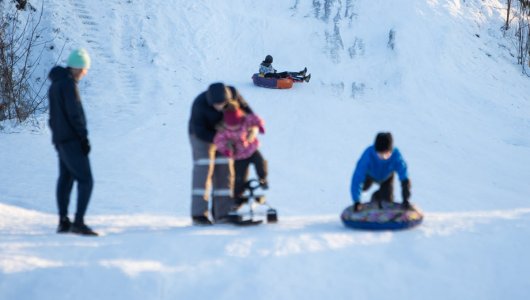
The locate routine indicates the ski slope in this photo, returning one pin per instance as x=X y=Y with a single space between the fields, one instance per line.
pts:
x=448 y=90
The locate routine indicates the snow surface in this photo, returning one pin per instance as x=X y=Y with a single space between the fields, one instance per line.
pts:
x=449 y=91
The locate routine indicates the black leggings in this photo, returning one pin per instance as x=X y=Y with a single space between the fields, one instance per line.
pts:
x=283 y=75
x=241 y=170
x=385 y=191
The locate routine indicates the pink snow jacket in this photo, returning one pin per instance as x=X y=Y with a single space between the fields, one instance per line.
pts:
x=234 y=144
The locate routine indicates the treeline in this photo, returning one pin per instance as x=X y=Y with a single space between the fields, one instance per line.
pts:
x=518 y=23
x=21 y=47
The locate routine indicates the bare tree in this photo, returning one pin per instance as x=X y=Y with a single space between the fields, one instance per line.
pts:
x=523 y=34
x=507 y=26
x=21 y=48
x=520 y=11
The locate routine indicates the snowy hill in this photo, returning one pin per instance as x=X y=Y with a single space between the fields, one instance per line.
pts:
x=445 y=85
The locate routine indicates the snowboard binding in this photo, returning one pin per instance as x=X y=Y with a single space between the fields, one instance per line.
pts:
x=249 y=207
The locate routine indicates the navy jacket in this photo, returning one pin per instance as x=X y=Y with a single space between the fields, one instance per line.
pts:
x=204 y=117
x=370 y=164
x=67 y=118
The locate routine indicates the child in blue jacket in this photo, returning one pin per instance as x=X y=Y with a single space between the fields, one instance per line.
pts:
x=378 y=164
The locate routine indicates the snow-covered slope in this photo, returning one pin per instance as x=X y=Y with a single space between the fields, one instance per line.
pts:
x=447 y=89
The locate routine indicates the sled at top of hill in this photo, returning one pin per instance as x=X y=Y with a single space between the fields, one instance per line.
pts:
x=276 y=83
x=381 y=216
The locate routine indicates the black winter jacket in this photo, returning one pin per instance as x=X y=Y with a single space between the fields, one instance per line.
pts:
x=204 y=117
x=67 y=118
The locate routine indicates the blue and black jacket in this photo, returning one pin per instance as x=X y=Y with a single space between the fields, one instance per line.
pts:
x=371 y=165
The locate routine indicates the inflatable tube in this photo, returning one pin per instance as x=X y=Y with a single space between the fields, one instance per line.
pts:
x=390 y=217
x=272 y=83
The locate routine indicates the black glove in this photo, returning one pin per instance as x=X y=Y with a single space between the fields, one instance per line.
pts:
x=85 y=146
x=405 y=190
x=406 y=205
x=357 y=207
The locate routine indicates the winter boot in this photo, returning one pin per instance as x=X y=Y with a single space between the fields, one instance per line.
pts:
x=64 y=225
x=82 y=229
x=201 y=221
x=264 y=184
x=234 y=216
x=303 y=72
x=307 y=78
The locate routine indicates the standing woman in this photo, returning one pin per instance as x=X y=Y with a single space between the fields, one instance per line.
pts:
x=70 y=138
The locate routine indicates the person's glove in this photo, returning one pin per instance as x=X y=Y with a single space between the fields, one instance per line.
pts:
x=85 y=146
x=405 y=190
x=406 y=205
x=405 y=193
x=245 y=143
x=357 y=207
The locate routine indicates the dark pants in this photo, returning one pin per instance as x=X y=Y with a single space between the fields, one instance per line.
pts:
x=212 y=177
x=73 y=166
x=386 y=189
x=295 y=75
x=242 y=167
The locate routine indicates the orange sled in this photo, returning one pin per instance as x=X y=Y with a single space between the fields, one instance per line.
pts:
x=272 y=83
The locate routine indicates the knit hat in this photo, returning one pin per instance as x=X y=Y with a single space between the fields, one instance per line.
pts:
x=383 y=142
x=268 y=59
x=233 y=115
x=218 y=93
x=79 y=59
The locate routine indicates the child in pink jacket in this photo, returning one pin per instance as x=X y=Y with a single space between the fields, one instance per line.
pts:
x=236 y=138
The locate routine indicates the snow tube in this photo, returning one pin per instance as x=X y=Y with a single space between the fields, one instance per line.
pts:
x=272 y=83
x=390 y=217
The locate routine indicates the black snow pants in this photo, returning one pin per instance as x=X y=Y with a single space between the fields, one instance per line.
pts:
x=385 y=191
x=242 y=168
x=295 y=75
x=73 y=166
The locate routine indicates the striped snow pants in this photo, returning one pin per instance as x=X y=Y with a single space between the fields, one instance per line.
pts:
x=213 y=175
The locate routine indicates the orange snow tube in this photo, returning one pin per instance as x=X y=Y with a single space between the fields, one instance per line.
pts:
x=272 y=83
x=284 y=83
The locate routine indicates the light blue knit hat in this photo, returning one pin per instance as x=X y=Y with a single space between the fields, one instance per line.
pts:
x=79 y=59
